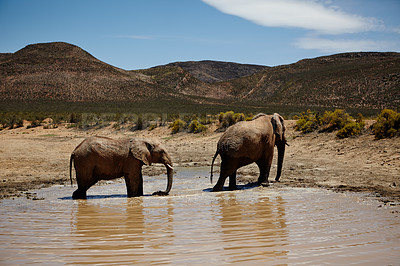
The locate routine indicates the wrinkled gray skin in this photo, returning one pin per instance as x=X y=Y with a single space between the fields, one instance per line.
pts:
x=247 y=142
x=101 y=158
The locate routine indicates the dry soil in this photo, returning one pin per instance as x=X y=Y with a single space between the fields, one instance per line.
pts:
x=38 y=157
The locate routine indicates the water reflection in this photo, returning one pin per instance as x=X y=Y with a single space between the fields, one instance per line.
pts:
x=252 y=229
x=120 y=234
x=194 y=226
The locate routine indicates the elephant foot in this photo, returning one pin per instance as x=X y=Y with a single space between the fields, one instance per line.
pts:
x=264 y=184
x=216 y=189
x=78 y=194
x=233 y=188
x=160 y=193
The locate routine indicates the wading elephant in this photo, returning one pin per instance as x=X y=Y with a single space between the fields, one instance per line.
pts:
x=247 y=142
x=101 y=158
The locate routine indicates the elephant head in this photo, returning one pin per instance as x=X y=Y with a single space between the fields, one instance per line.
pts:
x=153 y=152
x=280 y=140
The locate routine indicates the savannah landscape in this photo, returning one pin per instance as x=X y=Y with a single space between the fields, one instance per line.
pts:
x=37 y=157
x=279 y=125
x=64 y=82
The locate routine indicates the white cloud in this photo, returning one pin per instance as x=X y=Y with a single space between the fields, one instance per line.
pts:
x=313 y=15
x=343 y=45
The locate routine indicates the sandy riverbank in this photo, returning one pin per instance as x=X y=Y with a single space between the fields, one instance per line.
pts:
x=33 y=158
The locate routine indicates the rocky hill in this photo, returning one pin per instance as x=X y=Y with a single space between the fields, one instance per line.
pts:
x=216 y=71
x=61 y=71
x=358 y=80
x=65 y=72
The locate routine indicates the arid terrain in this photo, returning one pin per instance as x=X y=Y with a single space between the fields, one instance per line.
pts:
x=64 y=72
x=37 y=157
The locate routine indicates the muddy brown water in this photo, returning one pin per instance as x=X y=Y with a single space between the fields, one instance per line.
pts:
x=192 y=226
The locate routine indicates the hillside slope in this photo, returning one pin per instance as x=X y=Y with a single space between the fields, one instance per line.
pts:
x=360 y=80
x=216 y=71
x=64 y=72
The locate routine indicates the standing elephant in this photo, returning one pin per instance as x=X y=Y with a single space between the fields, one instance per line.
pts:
x=247 y=142
x=101 y=158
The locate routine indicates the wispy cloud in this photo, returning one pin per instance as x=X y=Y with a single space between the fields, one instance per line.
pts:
x=325 y=22
x=313 y=15
x=343 y=45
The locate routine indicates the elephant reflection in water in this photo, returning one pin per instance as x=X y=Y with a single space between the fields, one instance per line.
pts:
x=120 y=233
x=263 y=225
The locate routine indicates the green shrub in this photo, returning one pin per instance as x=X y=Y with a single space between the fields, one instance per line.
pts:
x=350 y=129
x=177 y=125
x=387 y=124
x=196 y=127
x=335 y=120
x=309 y=121
x=230 y=118
x=249 y=117
x=226 y=119
x=238 y=117
x=206 y=120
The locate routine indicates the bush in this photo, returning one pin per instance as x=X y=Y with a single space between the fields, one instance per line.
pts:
x=350 y=129
x=230 y=118
x=238 y=117
x=196 y=127
x=177 y=125
x=226 y=119
x=387 y=124
x=308 y=122
x=337 y=120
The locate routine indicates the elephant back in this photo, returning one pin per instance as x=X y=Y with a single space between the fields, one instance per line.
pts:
x=244 y=139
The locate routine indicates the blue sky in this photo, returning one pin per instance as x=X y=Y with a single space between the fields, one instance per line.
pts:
x=135 y=34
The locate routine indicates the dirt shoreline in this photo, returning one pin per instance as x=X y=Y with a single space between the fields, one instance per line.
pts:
x=37 y=157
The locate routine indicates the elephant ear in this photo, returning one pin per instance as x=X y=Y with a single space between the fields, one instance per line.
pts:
x=141 y=150
x=278 y=125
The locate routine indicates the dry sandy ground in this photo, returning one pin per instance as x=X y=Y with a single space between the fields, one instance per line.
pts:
x=34 y=158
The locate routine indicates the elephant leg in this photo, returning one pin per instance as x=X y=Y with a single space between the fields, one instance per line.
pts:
x=228 y=168
x=132 y=185
x=85 y=180
x=80 y=193
x=265 y=166
x=232 y=181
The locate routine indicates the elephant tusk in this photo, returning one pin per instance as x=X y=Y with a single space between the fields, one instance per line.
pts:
x=169 y=166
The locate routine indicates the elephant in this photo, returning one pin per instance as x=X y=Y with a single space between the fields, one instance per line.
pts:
x=250 y=141
x=102 y=158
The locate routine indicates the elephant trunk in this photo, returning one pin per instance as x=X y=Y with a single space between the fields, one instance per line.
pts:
x=170 y=173
x=281 y=154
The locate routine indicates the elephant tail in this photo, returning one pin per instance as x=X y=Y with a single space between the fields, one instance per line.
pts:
x=212 y=165
x=70 y=167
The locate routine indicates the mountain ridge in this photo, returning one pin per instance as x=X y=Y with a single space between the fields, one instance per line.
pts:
x=65 y=72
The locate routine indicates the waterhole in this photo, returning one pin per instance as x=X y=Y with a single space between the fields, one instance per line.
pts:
x=192 y=226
